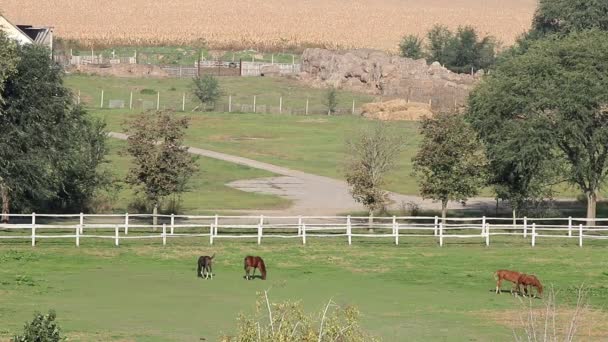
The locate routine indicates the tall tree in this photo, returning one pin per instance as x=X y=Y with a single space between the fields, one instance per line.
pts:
x=450 y=162
x=41 y=136
x=162 y=164
x=372 y=154
x=206 y=89
x=8 y=60
x=558 y=86
x=439 y=38
x=567 y=16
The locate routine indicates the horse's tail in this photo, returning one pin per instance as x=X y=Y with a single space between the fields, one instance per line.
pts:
x=213 y=256
x=245 y=262
x=262 y=267
x=200 y=267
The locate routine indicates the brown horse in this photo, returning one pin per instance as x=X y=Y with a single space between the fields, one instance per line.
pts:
x=253 y=262
x=529 y=281
x=511 y=276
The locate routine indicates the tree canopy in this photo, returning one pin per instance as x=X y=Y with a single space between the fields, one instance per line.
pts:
x=550 y=103
x=49 y=148
x=567 y=16
x=450 y=162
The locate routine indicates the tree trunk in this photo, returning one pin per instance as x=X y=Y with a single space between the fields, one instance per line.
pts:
x=591 y=207
x=154 y=217
x=444 y=210
x=5 y=203
x=371 y=221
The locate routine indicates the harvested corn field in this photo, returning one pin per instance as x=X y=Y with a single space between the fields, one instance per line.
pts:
x=267 y=24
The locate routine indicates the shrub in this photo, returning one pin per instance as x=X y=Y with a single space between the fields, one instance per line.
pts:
x=331 y=100
x=206 y=89
x=411 y=47
x=147 y=91
x=42 y=328
x=286 y=322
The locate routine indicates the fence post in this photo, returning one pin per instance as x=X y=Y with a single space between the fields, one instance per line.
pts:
x=78 y=97
x=569 y=226
x=304 y=234
x=101 y=102
x=254 y=98
x=158 y=100
x=211 y=229
x=33 y=229
x=436 y=225
x=172 y=224
x=525 y=227
x=78 y=236
x=180 y=71
x=487 y=234
x=281 y=105
x=580 y=235
x=183 y=102
x=353 y=111
x=164 y=234
x=395 y=233
x=349 y=230
x=126 y=223
x=116 y=235
x=533 y=234
x=441 y=234
x=260 y=229
x=81 y=228
x=299 y=225
x=131 y=101
x=306 y=106
x=229 y=103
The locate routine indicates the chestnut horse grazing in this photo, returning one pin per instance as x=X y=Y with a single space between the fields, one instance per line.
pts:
x=253 y=262
x=528 y=281
x=511 y=276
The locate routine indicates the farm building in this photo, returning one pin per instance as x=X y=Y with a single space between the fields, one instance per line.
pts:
x=27 y=34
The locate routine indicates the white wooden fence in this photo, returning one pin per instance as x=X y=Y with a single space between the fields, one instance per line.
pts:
x=127 y=226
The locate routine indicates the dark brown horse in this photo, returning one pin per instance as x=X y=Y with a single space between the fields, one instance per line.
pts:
x=529 y=281
x=253 y=262
x=507 y=275
x=205 y=266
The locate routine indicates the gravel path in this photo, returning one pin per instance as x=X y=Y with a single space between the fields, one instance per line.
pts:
x=311 y=194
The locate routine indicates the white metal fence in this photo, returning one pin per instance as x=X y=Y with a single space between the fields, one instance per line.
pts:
x=36 y=227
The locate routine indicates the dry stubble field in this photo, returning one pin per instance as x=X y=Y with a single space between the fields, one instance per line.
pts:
x=267 y=24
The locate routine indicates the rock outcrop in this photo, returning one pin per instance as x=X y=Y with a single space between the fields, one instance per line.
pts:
x=376 y=72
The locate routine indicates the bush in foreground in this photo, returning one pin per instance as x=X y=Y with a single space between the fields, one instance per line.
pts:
x=287 y=322
x=42 y=328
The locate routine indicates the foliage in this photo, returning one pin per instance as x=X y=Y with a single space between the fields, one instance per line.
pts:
x=373 y=153
x=331 y=100
x=161 y=164
x=566 y=16
x=450 y=163
x=411 y=47
x=50 y=149
x=206 y=89
x=42 y=328
x=8 y=61
x=460 y=51
x=555 y=91
x=287 y=322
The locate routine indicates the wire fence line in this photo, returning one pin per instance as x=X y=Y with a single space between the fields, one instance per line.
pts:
x=185 y=102
x=119 y=227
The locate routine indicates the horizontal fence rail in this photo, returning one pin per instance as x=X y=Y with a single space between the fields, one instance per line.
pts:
x=121 y=227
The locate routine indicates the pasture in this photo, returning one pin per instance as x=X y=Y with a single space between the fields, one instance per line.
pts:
x=145 y=292
x=268 y=25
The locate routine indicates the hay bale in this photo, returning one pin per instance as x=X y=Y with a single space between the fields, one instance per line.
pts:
x=396 y=110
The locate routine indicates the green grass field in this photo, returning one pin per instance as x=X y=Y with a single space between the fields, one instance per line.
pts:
x=416 y=291
x=242 y=89
x=206 y=191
